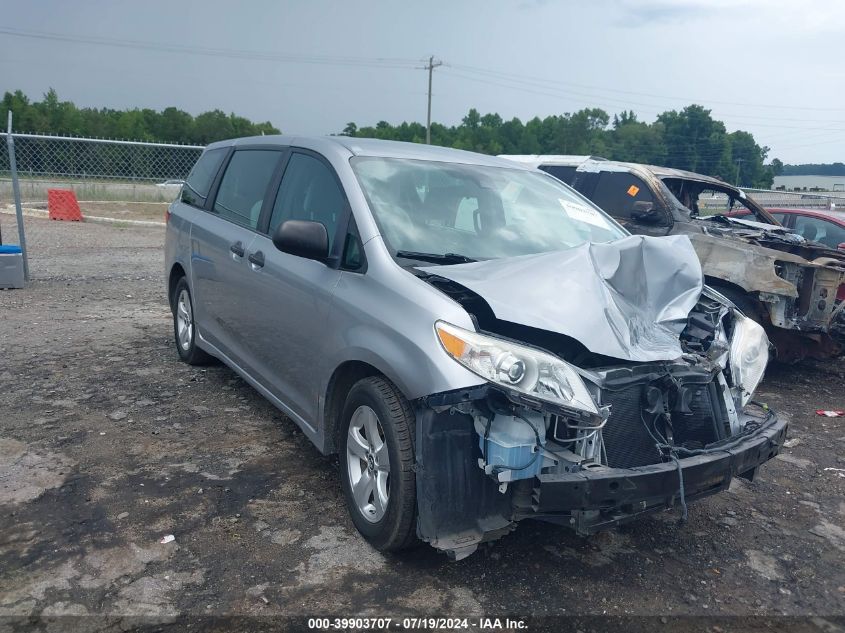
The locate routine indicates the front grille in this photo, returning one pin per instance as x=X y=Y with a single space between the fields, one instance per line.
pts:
x=626 y=440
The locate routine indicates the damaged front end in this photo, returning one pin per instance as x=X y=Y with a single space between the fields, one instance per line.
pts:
x=563 y=433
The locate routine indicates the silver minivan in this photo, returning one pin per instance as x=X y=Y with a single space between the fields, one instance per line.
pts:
x=476 y=341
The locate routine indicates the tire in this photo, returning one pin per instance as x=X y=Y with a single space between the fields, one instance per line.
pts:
x=375 y=403
x=184 y=329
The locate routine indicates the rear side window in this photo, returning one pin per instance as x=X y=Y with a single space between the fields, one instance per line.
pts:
x=309 y=191
x=618 y=192
x=202 y=175
x=244 y=186
x=819 y=230
x=561 y=172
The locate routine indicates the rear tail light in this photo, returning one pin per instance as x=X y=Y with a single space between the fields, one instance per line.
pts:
x=167 y=221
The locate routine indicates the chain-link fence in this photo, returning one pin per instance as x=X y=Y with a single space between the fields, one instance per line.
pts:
x=121 y=180
x=98 y=170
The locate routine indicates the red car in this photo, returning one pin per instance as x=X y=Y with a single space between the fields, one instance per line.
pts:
x=816 y=225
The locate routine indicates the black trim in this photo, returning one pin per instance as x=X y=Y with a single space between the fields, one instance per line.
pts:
x=352 y=230
x=272 y=193
x=215 y=184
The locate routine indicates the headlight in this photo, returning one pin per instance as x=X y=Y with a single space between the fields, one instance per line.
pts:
x=516 y=367
x=749 y=356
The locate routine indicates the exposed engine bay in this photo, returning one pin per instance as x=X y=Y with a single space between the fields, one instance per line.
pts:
x=556 y=416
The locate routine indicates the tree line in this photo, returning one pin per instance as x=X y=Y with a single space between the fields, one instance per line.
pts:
x=171 y=125
x=815 y=169
x=686 y=139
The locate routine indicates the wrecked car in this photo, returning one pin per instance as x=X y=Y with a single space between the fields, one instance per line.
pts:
x=792 y=286
x=478 y=343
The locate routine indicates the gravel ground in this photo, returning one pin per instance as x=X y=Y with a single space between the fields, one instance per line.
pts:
x=108 y=443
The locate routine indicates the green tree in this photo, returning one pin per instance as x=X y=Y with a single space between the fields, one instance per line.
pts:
x=695 y=141
x=53 y=116
x=748 y=156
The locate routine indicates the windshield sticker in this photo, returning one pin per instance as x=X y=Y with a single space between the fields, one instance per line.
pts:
x=633 y=190
x=583 y=213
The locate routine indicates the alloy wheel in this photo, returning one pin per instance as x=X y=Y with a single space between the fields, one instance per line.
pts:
x=368 y=463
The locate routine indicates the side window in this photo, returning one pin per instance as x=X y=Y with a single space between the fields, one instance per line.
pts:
x=563 y=173
x=308 y=191
x=244 y=185
x=196 y=187
x=818 y=230
x=619 y=194
x=780 y=217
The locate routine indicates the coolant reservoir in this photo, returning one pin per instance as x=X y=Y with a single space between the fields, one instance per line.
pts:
x=511 y=450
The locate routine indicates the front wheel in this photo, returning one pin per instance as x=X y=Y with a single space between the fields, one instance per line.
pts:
x=377 y=464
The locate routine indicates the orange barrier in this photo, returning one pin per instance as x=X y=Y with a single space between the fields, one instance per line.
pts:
x=62 y=205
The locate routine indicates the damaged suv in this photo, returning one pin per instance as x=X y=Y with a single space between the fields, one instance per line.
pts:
x=477 y=342
x=793 y=287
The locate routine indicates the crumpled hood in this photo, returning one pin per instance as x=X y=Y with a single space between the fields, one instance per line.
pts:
x=628 y=299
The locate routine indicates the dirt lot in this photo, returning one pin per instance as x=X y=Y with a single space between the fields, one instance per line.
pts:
x=108 y=443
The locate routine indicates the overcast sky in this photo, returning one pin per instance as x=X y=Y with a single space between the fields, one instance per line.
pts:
x=773 y=67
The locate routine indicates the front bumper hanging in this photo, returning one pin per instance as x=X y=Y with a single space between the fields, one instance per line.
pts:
x=459 y=506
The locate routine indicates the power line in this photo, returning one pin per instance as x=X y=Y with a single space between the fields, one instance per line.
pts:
x=738 y=162
x=603 y=101
x=547 y=81
x=545 y=85
x=372 y=62
x=535 y=85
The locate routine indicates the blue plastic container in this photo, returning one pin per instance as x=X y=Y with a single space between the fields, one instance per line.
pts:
x=11 y=266
x=511 y=445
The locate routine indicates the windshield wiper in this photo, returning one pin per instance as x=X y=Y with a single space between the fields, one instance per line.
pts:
x=437 y=258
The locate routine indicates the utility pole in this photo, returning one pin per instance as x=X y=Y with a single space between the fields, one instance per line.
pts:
x=430 y=68
x=738 y=162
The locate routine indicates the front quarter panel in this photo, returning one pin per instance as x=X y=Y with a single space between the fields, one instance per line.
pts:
x=386 y=318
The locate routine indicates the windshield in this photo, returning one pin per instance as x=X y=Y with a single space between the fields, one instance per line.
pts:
x=476 y=212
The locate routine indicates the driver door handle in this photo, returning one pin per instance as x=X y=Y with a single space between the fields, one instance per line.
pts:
x=237 y=248
x=256 y=259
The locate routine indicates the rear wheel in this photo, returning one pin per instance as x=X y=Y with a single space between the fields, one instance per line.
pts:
x=184 y=328
x=376 y=464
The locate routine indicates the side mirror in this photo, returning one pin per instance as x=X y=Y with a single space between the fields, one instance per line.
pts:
x=303 y=238
x=645 y=213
